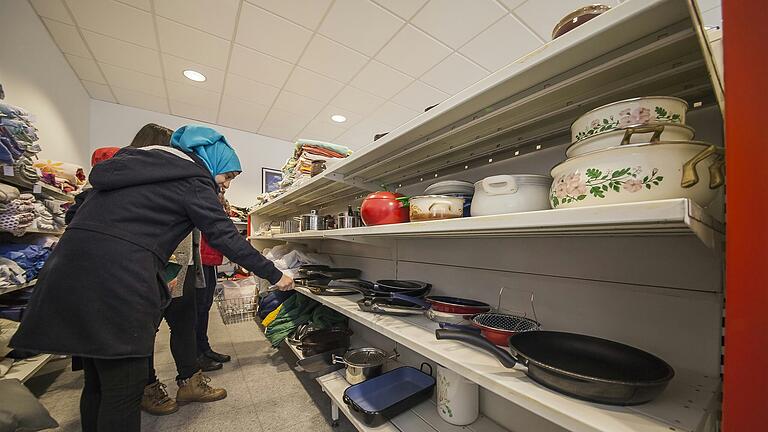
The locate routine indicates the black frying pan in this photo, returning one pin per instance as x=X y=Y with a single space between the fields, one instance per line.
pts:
x=324 y=276
x=585 y=367
x=385 y=289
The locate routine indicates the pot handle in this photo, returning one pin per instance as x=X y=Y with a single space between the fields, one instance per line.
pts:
x=335 y=359
x=460 y=327
x=690 y=176
x=444 y=204
x=499 y=185
x=410 y=299
x=717 y=174
x=504 y=357
x=657 y=131
x=421 y=368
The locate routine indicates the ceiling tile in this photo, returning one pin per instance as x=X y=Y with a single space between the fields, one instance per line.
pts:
x=456 y=22
x=297 y=104
x=314 y=85
x=357 y=137
x=360 y=24
x=140 y=100
x=357 y=101
x=454 y=74
x=259 y=67
x=320 y=130
x=713 y=17
x=85 y=68
x=413 y=52
x=53 y=9
x=404 y=8
x=543 y=19
x=194 y=112
x=704 y=5
x=250 y=90
x=330 y=110
x=241 y=114
x=174 y=71
x=213 y=17
x=491 y=48
x=67 y=38
x=115 y=19
x=381 y=80
x=305 y=12
x=123 y=54
x=270 y=34
x=393 y=115
x=132 y=80
x=512 y=4
x=99 y=91
x=332 y=59
x=141 y=4
x=282 y=124
x=192 y=44
x=192 y=95
x=418 y=96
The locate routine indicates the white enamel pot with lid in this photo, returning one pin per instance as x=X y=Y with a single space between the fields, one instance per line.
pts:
x=435 y=207
x=502 y=194
x=635 y=134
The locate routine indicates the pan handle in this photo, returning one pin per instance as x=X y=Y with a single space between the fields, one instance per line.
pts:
x=417 y=301
x=335 y=359
x=460 y=327
x=504 y=357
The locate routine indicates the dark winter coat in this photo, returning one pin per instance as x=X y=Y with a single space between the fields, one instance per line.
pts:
x=100 y=293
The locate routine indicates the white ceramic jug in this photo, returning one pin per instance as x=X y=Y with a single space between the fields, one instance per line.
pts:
x=458 y=399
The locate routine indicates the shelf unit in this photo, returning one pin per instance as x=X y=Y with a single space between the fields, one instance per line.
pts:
x=6 y=290
x=686 y=405
x=45 y=189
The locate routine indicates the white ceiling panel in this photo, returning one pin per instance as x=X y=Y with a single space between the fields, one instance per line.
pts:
x=403 y=8
x=381 y=80
x=282 y=124
x=217 y=17
x=250 y=90
x=141 y=4
x=99 y=91
x=713 y=17
x=418 y=96
x=357 y=101
x=305 y=12
x=360 y=24
x=124 y=54
x=115 y=19
x=356 y=137
x=454 y=74
x=512 y=4
x=311 y=84
x=67 y=38
x=189 y=43
x=332 y=59
x=241 y=114
x=320 y=130
x=393 y=115
x=457 y=21
x=302 y=106
x=543 y=19
x=258 y=66
x=141 y=100
x=192 y=95
x=704 y=5
x=271 y=34
x=53 y=9
x=413 y=52
x=194 y=112
x=85 y=68
x=174 y=68
x=132 y=80
x=491 y=48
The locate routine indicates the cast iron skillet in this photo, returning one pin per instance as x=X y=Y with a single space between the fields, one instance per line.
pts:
x=585 y=367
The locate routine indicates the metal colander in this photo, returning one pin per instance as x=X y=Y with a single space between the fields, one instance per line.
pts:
x=365 y=357
x=505 y=322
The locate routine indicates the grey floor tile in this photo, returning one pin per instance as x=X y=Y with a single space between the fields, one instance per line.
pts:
x=277 y=413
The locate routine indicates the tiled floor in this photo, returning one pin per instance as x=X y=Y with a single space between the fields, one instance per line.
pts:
x=264 y=395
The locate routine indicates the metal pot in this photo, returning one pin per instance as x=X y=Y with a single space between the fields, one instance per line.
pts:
x=363 y=363
x=312 y=222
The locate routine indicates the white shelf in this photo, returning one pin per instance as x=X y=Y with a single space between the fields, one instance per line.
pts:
x=684 y=406
x=6 y=290
x=40 y=231
x=22 y=370
x=675 y=216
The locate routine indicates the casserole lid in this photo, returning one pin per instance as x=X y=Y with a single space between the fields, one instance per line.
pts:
x=450 y=187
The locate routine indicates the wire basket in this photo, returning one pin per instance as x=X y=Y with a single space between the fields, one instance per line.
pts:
x=241 y=308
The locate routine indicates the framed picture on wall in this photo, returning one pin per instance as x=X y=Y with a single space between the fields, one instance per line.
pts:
x=270 y=178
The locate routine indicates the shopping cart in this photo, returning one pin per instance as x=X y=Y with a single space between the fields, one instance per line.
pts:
x=237 y=300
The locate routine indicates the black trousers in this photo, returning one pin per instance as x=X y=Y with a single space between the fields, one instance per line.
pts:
x=111 y=398
x=204 y=303
x=180 y=316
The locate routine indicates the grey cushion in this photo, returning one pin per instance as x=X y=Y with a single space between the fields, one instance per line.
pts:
x=20 y=411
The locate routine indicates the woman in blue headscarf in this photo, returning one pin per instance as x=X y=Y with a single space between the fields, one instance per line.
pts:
x=101 y=293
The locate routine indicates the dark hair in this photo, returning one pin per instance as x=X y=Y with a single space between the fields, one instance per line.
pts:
x=152 y=134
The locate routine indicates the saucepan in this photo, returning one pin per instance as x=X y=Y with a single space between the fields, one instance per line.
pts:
x=363 y=363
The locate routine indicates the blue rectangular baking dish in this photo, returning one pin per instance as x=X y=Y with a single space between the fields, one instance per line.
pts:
x=387 y=395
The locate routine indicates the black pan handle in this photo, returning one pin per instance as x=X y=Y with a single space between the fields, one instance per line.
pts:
x=410 y=299
x=421 y=368
x=460 y=327
x=504 y=357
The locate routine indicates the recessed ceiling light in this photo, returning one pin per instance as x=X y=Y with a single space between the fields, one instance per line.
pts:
x=338 y=118
x=194 y=75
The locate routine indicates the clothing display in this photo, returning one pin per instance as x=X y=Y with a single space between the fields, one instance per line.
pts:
x=66 y=176
x=29 y=257
x=297 y=310
x=17 y=135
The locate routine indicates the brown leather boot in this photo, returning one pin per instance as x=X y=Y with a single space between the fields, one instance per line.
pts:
x=196 y=389
x=156 y=400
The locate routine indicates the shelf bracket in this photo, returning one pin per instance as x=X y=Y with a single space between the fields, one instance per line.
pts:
x=354 y=181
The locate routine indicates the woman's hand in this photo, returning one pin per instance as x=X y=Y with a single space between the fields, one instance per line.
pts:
x=285 y=283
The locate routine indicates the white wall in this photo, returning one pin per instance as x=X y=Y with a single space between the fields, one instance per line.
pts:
x=36 y=76
x=116 y=125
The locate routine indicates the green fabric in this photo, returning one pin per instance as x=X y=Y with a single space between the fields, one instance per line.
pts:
x=170 y=272
x=297 y=310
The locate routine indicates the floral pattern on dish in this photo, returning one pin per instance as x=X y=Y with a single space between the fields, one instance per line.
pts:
x=571 y=187
x=629 y=117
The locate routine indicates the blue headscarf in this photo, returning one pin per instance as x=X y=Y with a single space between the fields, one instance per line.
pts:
x=209 y=145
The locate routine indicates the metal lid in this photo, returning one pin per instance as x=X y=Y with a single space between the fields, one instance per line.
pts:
x=365 y=357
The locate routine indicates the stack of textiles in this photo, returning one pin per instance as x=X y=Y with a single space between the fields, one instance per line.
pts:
x=17 y=136
x=63 y=175
x=17 y=211
x=30 y=257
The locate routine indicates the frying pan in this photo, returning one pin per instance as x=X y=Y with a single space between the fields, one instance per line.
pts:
x=383 y=289
x=386 y=307
x=585 y=367
x=325 y=276
x=452 y=305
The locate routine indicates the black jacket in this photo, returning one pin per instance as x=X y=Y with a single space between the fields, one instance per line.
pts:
x=100 y=294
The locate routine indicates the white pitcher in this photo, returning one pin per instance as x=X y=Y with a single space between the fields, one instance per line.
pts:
x=458 y=399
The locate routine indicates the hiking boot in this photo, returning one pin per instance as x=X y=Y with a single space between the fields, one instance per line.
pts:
x=156 y=401
x=196 y=389
x=208 y=365
x=220 y=358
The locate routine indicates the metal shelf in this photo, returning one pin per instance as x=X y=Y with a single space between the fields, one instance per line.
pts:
x=45 y=189
x=687 y=404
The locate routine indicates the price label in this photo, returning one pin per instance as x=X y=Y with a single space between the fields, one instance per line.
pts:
x=37 y=189
x=8 y=170
x=39 y=173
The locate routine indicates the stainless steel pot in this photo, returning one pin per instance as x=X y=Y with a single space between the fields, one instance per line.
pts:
x=312 y=222
x=363 y=363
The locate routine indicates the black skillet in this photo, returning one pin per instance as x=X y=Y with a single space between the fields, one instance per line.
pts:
x=386 y=289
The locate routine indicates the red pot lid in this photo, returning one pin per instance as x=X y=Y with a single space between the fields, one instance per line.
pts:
x=384 y=195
